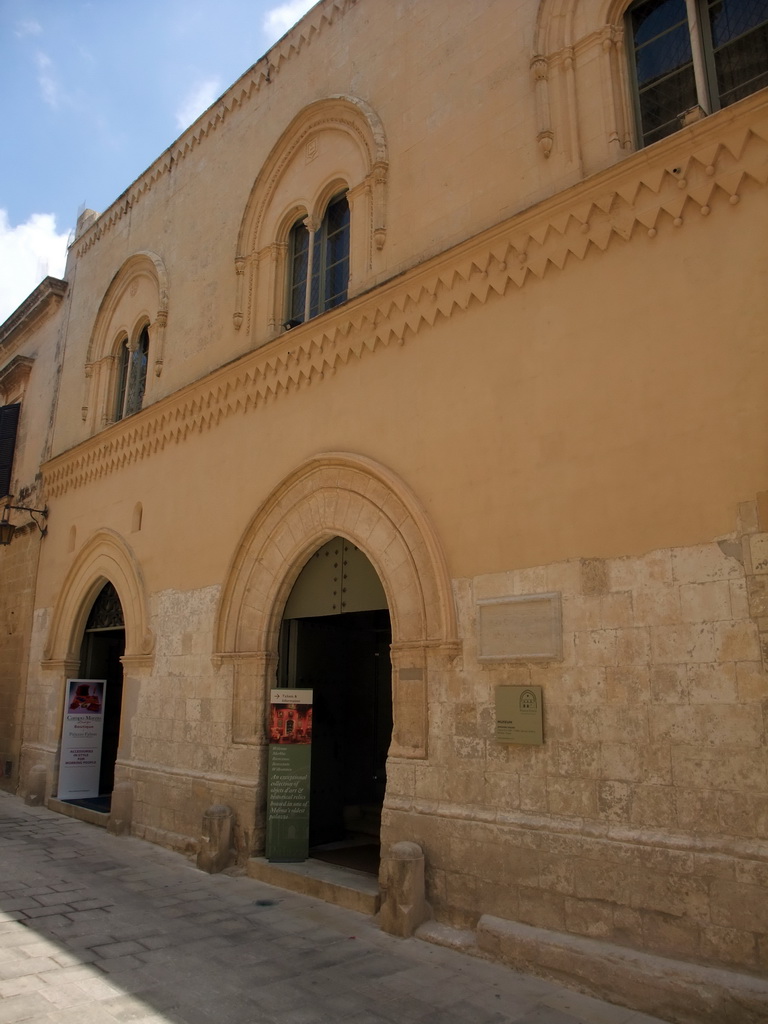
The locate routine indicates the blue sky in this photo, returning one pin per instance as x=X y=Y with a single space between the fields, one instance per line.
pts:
x=91 y=92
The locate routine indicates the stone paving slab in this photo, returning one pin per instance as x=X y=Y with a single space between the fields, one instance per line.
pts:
x=99 y=929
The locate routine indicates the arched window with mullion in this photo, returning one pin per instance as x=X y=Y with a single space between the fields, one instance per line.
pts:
x=131 y=375
x=322 y=259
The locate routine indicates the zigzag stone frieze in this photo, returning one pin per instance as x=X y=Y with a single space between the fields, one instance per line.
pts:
x=641 y=197
x=262 y=74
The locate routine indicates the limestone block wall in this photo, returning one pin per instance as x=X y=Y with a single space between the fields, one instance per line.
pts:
x=42 y=708
x=176 y=728
x=643 y=818
x=18 y=566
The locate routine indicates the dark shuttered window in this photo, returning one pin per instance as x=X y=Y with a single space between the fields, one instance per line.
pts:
x=9 y=421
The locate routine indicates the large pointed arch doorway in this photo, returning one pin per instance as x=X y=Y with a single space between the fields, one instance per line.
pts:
x=335 y=639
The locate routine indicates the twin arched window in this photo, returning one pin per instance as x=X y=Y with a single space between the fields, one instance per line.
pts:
x=318 y=267
x=290 y=268
x=132 y=314
x=132 y=359
x=692 y=57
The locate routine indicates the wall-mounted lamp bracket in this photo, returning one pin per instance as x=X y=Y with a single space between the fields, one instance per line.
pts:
x=7 y=528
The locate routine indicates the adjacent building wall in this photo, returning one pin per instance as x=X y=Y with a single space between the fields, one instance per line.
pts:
x=28 y=359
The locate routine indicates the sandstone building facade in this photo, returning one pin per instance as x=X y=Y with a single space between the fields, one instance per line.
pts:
x=412 y=370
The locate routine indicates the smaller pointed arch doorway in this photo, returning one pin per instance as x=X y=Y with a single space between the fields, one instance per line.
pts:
x=335 y=639
x=102 y=647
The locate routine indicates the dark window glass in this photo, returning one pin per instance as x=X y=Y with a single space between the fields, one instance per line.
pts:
x=330 y=263
x=662 y=103
x=732 y=38
x=653 y=18
x=123 y=361
x=299 y=256
x=337 y=253
x=739 y=39
x=137 y=376
x=132 y=376
x=663 y=54
x=315 y=306
x=729 y=19
x=666 y=86
x=9 y=422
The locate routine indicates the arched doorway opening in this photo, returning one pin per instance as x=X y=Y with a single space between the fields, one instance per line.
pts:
x=337 y=494
x=101 y=650
x=335 y=640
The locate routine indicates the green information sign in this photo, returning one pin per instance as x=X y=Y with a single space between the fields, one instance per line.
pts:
x=290 y=752
x=519 y=715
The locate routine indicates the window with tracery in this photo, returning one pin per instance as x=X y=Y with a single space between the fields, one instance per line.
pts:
x=106 y=611
x=693 y=57
x=132 y=359
x=318 y=264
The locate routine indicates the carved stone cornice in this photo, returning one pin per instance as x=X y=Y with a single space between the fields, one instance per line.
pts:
x=36 y=308
x=706 y=169
x=137 y=662
x=69 y=666
x=14 y=376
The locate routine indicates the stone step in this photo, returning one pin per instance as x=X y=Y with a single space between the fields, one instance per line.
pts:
x=81 y=813
x=345 y=887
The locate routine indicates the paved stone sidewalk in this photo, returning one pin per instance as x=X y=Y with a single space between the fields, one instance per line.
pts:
x=96 y=929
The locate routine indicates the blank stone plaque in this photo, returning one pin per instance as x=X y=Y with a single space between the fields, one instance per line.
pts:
x=527 y=628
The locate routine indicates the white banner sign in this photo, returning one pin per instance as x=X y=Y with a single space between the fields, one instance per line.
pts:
x=81 y=737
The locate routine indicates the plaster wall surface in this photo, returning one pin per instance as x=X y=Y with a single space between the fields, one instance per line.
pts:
x=557 y=396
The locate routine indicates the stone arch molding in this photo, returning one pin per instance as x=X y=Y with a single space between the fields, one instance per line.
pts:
x=347 y=495
x=561 y=23
x=335 y=143
x=136 y=296
x=566 y=31
x=104 y=558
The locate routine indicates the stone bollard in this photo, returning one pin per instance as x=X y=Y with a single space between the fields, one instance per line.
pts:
x=215 y=852
x=37 y=782
x=121 y=811
x=403 y=906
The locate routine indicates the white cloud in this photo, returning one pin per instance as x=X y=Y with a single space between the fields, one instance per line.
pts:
x=28 y=253
x=49 y=87
x=279 y=19
x=28 y=28
x=197 y=100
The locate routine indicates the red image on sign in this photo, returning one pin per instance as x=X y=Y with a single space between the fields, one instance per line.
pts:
x=87 y=698
x=290 y=723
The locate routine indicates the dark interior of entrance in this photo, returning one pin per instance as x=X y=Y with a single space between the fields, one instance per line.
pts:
x=102 y=648
x=343 y=657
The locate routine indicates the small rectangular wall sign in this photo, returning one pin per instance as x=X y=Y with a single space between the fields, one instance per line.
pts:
x=290 y=753
x=519 y=717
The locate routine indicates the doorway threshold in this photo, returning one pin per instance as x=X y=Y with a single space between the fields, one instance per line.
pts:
x=342 y=886
x=81 y=810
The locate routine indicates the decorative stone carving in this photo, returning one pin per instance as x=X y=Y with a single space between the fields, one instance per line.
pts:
x=104 y=558
x=337 y=117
